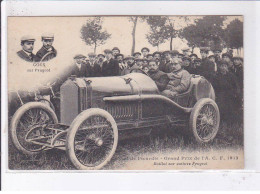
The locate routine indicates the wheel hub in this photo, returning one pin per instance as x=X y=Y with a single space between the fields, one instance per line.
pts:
x=99 y=142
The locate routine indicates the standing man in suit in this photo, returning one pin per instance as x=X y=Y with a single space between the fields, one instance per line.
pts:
x=27 y=43
x=145 y=51
x=79 y=69
x=110 y=66
x=93 y=67
x=47 y=52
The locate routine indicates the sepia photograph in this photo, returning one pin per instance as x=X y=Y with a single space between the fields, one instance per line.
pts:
x=140 y=92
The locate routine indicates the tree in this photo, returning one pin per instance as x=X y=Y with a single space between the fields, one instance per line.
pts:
x=93 y=34
x=157 y=33
x=207 y=31
x=234 y=34
x=134 y=20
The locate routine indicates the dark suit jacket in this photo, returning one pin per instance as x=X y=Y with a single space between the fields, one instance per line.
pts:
x=25 y=56
x=82 y=72
x=43 y=53
x=93 y=71
x=110 y=68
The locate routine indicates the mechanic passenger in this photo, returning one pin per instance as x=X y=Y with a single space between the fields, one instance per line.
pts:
x=47 y=52
x=160 y=78
x=179 y=79
x=27 y=43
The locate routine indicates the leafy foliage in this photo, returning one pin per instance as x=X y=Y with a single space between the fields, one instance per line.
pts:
x=207 y=31
x=92 y=33
x=158 y=31
x=234 y=34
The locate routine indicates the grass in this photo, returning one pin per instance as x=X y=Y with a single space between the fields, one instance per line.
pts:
x=230 y=136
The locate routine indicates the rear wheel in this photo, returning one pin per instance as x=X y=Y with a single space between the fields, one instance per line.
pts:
x=204 y=120
x=92 y=139
x=27 y=124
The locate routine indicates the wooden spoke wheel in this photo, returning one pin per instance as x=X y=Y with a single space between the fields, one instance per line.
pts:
x=27 y=124
x=204 y=120
x=92 y=139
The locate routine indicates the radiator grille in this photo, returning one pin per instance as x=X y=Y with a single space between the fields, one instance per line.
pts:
x=122 y=111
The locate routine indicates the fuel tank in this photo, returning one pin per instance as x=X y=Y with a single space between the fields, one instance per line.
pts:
x=78 y=94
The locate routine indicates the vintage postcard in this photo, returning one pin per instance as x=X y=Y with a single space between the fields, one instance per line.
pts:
x=129 y=92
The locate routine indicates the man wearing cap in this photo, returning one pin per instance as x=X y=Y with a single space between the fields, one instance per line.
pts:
x=238 y=69
x=193 y=57
x=139 y=63
x=207 y=66
x=179 y=79
x=115 y=51
x=120 y=59
x=186 y=51
x=167 y=58
x=212 y=58
x=131 y=65
x=137 y=55
x=110 y=66
x=79 y=69
x=145 y=51
x=27 y=43
x=227 y=92
x=228 y=58
x=217 y=53
x=186 y=62
x=160 y=78
x=93 y=68
x=47 y=52
x=149 y=57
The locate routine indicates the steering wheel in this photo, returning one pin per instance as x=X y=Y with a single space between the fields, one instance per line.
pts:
x=139 y=71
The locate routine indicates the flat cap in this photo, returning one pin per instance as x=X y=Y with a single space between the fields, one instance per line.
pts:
x=197 y=60
x=107 y=51
x=174 y=52
x=185 y=49
x=100 y=55
x=116 y=48
x=28 y=38
x=138 y=59
x=186 y=58
x=119 y=55
x=194 y=55
x=79 y=56
x=137 y=53
x=145 y=48
x=49 y=36
x=212 y=56
x=129 y=57
x=205 y=49
x=165 y=52
x=226 y=55
x=156 y=52
x=238 y=57
x=92 y=54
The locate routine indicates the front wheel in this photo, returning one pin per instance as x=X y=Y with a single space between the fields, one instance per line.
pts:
x=27 y=124
x=92 y=139
x=204 y=120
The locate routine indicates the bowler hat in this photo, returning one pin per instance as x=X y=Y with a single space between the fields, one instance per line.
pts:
x=137 y=53
x=79 y=56
x=106 y=51
x=115 y=48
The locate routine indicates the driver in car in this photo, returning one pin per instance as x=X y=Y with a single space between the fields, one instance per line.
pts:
x=160 y=78
x=179 y=79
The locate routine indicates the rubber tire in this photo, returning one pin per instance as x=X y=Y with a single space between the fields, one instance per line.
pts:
x=51 y=104
x=194 y=115
x=17 y=116
x=72 y=132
